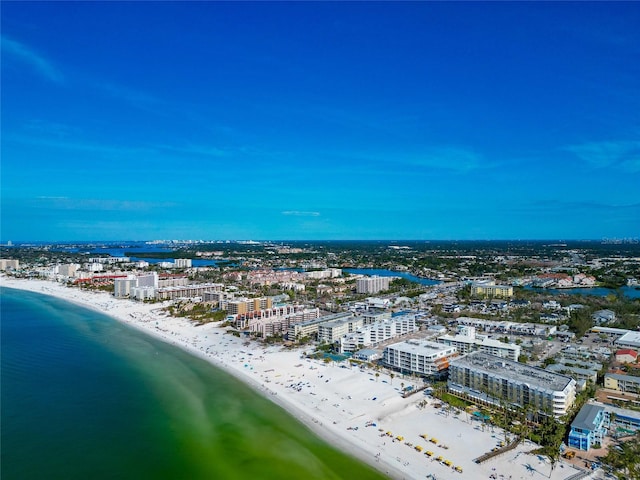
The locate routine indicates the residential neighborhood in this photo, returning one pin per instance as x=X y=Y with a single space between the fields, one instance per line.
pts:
x=492 y=330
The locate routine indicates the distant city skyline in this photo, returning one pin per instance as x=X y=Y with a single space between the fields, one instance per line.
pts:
x=320 y=120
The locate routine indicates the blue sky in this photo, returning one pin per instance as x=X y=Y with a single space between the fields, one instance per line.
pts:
x=331 y=120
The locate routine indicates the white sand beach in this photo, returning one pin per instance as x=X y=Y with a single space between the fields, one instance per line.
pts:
x=350 y=408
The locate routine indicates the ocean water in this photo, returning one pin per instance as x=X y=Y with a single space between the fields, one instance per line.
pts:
x=83 y=396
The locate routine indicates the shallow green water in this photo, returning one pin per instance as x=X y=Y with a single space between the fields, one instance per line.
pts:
x=86 y=397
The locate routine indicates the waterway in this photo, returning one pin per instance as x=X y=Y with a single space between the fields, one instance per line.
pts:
x=390 y=273
x=628 y=292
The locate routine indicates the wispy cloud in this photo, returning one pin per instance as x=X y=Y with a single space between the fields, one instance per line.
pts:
x=298 y=213
x=624 y=155
x=82 y=146
x=37 y=62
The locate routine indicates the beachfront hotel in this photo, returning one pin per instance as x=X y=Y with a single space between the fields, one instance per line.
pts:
x=420 y=357
x=493 y=380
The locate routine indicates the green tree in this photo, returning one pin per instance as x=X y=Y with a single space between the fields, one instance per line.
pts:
x=623 y=459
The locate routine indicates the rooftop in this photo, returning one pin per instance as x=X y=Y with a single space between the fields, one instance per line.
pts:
x=513 y=371
x=586 y=418
x=420 y=347
x=630 y=338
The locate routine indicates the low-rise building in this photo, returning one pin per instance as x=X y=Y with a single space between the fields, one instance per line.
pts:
x=626 y=355
x=630 y=339
x=577 y=373
x=366 y=355
x=603 y=317
x=622 y=383
x=589 y=427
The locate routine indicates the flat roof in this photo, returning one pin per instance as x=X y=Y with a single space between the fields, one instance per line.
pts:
x=420 y=347
x=326 y=318
x=513 y=371
x=630 y=338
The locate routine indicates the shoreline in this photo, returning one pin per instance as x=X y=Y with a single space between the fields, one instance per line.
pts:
x=349 y=408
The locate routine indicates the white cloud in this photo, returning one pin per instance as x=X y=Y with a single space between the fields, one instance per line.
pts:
x=624 y=155
x=40 y=64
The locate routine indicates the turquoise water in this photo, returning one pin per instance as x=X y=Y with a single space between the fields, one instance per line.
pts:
x=84 y=396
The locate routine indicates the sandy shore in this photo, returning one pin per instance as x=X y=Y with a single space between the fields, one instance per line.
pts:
x=350 y=408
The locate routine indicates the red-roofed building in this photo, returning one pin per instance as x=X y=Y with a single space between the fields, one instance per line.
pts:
x=626 y=355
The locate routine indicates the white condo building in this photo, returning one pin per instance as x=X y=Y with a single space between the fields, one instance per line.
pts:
x=311 y=327
x=332 y=331
x=372 y=334
x=182 y=263
x=488 y=379
x=422 y=357
x=122 y=286
x=373 y=284
x=321 y=274
x=148 y=280
x=129 y=286
x=466 y=341
x=68 y=269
